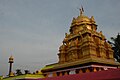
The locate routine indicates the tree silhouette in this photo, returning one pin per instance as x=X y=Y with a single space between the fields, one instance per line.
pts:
x=27 y=71
x=18 y=72
x=116 y=46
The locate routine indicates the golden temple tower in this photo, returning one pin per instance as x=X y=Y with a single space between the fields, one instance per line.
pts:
x=83 y=50
x=11 y=61
x=85 y=43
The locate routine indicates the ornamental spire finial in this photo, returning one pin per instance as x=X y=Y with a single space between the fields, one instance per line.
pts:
x=81 y=10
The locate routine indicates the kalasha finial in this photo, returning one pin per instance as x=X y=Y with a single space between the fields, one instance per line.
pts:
x=81 y=10
x=11 y=59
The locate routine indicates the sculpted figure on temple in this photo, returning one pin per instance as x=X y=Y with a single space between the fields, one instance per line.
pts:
x=92 y=19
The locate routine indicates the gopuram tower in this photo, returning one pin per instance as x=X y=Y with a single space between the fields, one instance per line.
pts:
x=83 y=50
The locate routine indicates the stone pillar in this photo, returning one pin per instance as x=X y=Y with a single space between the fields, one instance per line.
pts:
x=11 y=61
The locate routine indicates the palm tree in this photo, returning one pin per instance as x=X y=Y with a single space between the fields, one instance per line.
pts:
x=116 y=46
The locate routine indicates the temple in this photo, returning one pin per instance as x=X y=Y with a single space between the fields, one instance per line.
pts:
x=83 y=49
x=84 y=53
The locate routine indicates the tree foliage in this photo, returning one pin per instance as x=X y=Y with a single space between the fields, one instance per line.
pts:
x=18 y=72
x=27 y=71
x=116 y=46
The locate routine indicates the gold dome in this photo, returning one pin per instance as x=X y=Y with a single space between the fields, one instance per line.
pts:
x=82 y=18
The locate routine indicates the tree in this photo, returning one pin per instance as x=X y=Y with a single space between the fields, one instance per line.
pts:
x=18 y=72
x=116 y=46
x=27 y=71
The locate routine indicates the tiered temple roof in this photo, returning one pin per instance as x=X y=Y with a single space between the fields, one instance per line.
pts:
x=83 y=48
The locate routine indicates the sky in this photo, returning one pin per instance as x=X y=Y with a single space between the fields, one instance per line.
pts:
x=33 y=30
